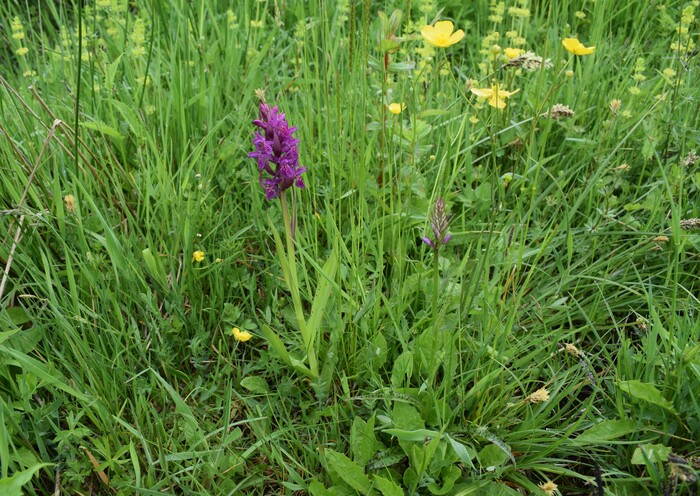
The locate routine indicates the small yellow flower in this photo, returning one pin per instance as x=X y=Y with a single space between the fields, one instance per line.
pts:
x=574 y=46
x=539 y=396
x=496 y=96
x=396 y=108
x=511 y=53
x=241 y=336
x=473 y=119
x=549 y=487
x=198 y=256
x=22 y=51
x=441 y=35
x=669 y=72
x=579 y=14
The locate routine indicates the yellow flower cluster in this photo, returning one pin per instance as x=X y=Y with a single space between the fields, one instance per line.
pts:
x=18 y=34
x=684 y=43
x=17 y=29
x=231 y=19
x=137 y=38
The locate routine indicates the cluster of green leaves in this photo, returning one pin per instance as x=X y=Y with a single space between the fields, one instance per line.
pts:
x=117 y=366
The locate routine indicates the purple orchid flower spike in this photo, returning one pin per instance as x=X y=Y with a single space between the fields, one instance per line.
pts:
x=277 y=153
x=439 y=223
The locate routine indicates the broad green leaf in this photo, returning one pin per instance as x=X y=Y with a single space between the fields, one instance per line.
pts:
x=318 y=489
x=465 y=454
x=350 y=472
x=419 y=435
x=606 y=430
x=406 y=417
x=449 y=476
x=362 y=440
x=486 y=434
x=255 y=384
x=12 y=486
x=18 y=315
x=388 y=487
x=403 y=368
x=492 y=456
x=646 y=392
x=655 y=453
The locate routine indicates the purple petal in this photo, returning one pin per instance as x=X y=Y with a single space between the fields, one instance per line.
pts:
x=428 y=242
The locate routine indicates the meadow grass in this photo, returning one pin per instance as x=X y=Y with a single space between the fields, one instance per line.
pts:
x=550 y=347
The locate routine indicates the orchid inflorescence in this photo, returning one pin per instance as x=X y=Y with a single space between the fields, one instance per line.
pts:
x=277 y=152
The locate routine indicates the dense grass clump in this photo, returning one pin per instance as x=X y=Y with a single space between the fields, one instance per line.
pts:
x=488 y=283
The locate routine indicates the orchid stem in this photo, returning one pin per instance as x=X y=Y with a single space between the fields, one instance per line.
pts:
x=294 y=286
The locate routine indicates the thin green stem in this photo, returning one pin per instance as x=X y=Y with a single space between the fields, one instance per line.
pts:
x=436 y=280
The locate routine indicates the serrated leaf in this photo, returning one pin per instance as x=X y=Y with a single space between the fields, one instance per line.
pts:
x=255 y=384
x=350 y=472
x=606 y=431
x=646 y=392
x=655 y=453
x=388 y=487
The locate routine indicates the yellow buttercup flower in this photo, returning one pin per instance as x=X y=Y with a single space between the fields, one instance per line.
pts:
x=511 y=53
x=198 y=256
x=241 y=336
x=396 y=108
x=496 y=96
x=574 y=46
x=441 y=35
